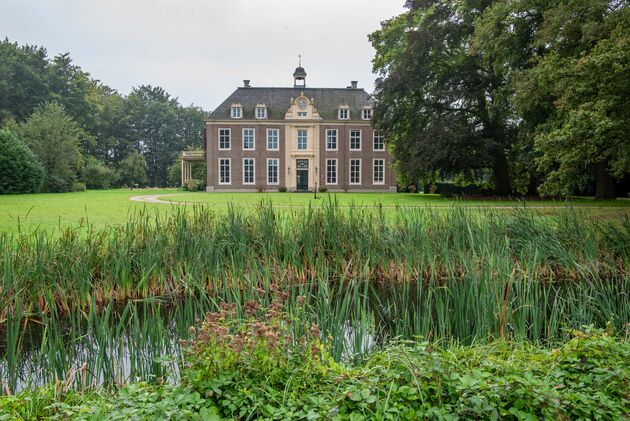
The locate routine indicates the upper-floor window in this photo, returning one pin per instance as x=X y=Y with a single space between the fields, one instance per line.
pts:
x=355 y=140
x=302 y=114
x=331 y=139
x=272 y=139
x=248 y=139
x=344 y=113
x=261 y=112
x=302 y=139
x=237 y=111
x=224 y=139
x=379 y=142
x=366 y=113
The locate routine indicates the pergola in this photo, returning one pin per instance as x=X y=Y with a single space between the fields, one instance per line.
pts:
x=188 y=157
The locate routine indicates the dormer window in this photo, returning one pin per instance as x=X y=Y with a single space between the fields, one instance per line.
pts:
x=237 y=111
x=261 y=111
x=366 y=113
x=344 y=112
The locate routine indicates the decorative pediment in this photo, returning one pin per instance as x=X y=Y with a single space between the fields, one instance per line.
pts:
x=302 y=108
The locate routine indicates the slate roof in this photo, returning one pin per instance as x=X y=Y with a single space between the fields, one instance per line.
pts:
x=278 y=101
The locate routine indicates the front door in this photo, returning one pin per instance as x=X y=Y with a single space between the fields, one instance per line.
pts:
x=301 y=182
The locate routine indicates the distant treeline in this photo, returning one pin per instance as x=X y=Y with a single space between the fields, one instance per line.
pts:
x=62 y=130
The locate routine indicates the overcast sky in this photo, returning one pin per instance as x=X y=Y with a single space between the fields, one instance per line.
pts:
x=201 y=50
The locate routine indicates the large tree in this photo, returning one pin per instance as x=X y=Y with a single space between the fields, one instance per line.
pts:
x=584 y=78
x=56 y=139
x=160 y=129
x=442 y=105
x=20 y=170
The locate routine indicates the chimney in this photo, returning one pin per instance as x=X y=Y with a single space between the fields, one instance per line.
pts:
x=246 y=83
x=353 y=84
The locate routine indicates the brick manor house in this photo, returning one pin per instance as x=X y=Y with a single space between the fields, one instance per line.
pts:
x=299 y=138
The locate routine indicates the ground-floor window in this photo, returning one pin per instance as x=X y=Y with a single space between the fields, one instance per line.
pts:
x=224 y=171
x=248 y=170
x=355 y=171
x=379 y=171
x=331 y=171
x=272 y=170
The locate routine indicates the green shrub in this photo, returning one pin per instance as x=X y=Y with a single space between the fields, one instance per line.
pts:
x=78 y=186
x=20 y=170
x=96 y=175
x=268 y=365
x=195 y=185
x=282 y=189
x=323 y=189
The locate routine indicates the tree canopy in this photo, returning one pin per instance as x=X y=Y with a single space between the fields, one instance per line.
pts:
x=533 y=92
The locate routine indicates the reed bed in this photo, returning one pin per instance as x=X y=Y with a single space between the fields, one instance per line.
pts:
x=109 y=306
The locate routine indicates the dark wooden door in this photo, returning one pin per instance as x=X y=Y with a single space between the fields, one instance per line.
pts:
x=302 y=180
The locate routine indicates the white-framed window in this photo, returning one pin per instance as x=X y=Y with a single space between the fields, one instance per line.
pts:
x=237 y=111
x=331 y=139
x=224 y=139
x=355 y=140
x=273 y=139
x=378 y=176
x=331 y=171
x=273 y=165
x=344 y=113
x=302 y=114
x=366 y=113
x=249 y=171
x=248 y=139
x=355 y=171
x=261 y=112
x=302 y=139
x=225 y=171
x=379 y=141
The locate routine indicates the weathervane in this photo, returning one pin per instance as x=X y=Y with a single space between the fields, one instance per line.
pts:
x=299 y=60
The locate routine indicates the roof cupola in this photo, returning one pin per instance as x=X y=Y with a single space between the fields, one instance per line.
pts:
x=299 y=76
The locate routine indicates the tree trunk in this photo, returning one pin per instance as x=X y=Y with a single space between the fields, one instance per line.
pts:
x=604 y=182
x=501 y=174
x=532 y=187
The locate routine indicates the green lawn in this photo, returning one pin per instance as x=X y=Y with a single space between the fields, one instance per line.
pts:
x=100 y=208
x=370 y=199
x=51 y=210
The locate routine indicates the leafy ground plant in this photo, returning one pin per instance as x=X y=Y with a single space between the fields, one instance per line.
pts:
x=289 y=376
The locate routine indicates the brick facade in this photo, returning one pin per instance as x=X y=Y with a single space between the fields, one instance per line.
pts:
x=304 y=113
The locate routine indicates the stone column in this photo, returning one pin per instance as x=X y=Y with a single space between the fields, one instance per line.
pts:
x=183 y=163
